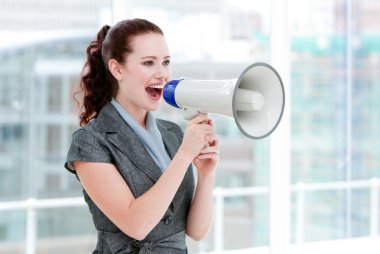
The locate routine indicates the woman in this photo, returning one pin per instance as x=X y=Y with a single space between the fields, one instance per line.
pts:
x=136 y=171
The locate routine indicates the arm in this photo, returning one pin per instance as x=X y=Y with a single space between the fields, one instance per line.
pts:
x=136 y=217
x=199 y=219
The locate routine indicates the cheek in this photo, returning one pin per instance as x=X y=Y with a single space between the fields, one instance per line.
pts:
x=168 y=74
x=138 y=77
x=145 y=74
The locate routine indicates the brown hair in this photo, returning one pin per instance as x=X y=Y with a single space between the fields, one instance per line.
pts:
x=97 y=83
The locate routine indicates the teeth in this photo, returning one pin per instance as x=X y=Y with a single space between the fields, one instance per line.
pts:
x=157 y=86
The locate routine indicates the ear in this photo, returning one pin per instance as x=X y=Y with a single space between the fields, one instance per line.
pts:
x=115 y=69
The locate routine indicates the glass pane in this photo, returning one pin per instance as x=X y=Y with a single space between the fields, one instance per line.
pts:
x=41 y=50
x=12 y=232
x=365 y=90
x=335 y=80
x=70 y=230
x=365 y=156
x=319 y=115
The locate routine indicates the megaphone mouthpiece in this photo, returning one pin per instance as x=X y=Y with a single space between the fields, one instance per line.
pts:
x=169 y=92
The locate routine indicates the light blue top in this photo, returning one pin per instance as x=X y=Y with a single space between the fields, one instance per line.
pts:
x=149 y=137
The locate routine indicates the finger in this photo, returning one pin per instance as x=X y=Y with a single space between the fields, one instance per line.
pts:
x=205 y=127
x=213 y=143
x=210 y=149
x=212 y=156
x=201 y=118
x=202 y=130
x=212 y=139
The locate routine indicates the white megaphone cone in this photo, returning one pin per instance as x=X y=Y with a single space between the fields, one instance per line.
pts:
x=255 y=100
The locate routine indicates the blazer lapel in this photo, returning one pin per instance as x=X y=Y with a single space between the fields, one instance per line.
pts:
x=122 y=136
x=171 y=142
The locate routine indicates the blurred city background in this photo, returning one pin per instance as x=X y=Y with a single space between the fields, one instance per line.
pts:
x=311 y=187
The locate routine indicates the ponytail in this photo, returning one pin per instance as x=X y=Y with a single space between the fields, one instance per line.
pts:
x=97 y=83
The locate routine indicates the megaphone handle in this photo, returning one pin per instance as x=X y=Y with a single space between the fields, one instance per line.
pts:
x=189 y=113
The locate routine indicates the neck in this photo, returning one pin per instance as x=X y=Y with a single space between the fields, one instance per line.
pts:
x=140 y=117
x=138 y=114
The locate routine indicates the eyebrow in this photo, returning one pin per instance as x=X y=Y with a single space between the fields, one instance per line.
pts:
x=154 y=57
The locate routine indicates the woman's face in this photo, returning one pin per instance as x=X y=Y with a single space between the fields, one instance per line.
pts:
x=145 y=72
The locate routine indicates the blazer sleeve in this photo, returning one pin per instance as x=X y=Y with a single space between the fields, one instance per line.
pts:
x=86 y=146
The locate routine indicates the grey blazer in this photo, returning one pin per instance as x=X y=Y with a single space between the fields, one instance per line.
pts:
x=108 y=139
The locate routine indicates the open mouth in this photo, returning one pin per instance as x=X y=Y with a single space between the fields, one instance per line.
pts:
x=155 y=91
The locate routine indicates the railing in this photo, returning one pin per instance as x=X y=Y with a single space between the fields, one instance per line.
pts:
x=31 y=206
x=373 y=184
x=299 y=189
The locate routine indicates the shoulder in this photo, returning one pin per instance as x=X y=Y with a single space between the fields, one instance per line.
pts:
x=87 y=134
x=88 y=145
x=87 y=130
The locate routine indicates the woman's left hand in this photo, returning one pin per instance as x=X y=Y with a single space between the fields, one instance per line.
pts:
x=208 y=157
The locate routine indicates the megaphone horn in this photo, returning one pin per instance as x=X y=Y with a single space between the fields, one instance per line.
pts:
x=256 y=100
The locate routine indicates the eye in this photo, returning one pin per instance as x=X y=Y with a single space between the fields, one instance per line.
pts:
x=148 y=63
x=167 y=62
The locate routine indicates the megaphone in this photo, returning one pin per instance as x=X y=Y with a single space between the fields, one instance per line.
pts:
x=256 y=100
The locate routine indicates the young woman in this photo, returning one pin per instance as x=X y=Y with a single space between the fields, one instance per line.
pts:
x=136 y=171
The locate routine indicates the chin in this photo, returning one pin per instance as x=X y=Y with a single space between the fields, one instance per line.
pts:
x=154 y=107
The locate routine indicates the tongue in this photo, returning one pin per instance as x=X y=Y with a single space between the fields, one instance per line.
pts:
x=152 y=92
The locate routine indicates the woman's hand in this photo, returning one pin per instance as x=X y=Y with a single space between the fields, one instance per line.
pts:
x=200 y=143
x=198 y=135
x=208 y=157
x=207 y=160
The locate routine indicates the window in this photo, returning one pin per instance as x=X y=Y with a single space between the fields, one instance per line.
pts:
x=333 y=80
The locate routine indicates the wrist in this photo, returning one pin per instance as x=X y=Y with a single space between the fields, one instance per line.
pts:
x=209 y=178
x=184 y=156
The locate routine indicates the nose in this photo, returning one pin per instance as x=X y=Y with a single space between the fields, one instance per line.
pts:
x=161 y=72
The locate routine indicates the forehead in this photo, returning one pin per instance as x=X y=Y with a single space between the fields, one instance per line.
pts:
x=151 y=44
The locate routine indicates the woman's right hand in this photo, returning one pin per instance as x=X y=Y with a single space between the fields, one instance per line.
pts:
x=198 y=134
